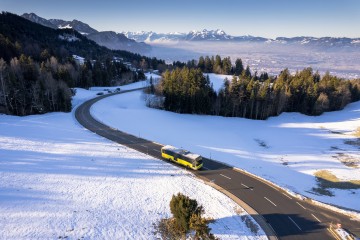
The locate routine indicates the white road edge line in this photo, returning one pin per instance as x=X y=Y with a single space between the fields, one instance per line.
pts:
x=295 y=223
x=225 y=176
x=315 y=217
x=301 y=205
x=286 y=196
x=270 y=201
x=247 y=187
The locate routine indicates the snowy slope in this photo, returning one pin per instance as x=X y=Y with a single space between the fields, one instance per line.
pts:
x=286 y=150
x=58 y=180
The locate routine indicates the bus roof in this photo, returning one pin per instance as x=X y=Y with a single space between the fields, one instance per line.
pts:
x=181 y=151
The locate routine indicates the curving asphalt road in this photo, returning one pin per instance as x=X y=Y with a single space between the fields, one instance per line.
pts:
x=280 y=215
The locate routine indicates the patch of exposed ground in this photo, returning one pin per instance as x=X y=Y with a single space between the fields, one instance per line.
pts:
x=326 y=181
x=348 y=160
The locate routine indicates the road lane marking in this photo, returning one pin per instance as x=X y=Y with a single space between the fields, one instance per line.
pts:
x=156 y=150
x=286 y=196
x=270 y=201
x=315 y=217
x=295 y=223
x=131 y=141
x=205 y=168
x=247 y=187
x=143 y=146
x=225 y=176
x=271 y=227
x=301 y=205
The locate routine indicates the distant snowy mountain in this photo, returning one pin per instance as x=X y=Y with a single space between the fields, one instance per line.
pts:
x=249 y=38
x=220 y=35
x=206 y=35
x=108 y=39
x=320 y=42
x=149 y=37
x=203 y=35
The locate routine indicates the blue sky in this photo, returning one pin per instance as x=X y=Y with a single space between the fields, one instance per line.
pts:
x=267 y=18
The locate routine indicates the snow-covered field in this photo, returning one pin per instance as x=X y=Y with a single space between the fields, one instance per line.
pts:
x=286 y=150
x=58 y=180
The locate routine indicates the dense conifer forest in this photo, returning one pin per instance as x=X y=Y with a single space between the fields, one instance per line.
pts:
x=187 y=90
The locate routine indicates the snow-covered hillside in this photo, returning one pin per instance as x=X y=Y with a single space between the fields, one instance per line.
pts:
x=58 y=180
x=286 y=150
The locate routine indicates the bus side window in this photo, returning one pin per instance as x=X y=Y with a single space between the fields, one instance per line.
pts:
x=187 y=159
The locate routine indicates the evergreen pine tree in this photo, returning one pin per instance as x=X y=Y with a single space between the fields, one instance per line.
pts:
x=201 y=63
x=239 y=68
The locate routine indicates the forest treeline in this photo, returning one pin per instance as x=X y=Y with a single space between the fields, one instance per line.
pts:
x=187 y=90
x=29 y=87
x=218 y=65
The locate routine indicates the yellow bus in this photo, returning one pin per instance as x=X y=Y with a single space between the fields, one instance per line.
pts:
x=182 y=157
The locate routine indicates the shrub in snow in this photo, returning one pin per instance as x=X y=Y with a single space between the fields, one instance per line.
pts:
x=186 y=218
x=182 y=208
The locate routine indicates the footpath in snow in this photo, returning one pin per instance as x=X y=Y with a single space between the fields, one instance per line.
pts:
x=59 y=180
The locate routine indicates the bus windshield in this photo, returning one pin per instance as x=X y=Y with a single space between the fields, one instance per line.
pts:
x=198 y=161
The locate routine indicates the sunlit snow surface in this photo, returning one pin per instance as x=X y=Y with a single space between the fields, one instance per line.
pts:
x=294 y=146
x=59 y=180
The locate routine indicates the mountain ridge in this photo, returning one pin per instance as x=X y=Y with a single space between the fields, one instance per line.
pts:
x=139 y=41
x=220 y=35
x=117 y=41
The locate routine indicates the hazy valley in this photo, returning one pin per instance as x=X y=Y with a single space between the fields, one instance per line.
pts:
x=269 y=57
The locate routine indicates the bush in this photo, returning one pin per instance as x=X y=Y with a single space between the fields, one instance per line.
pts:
x=186 y=217
x=167 y=230
x=182 y=208
x=200 y=226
